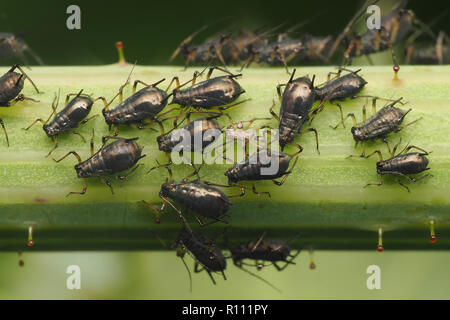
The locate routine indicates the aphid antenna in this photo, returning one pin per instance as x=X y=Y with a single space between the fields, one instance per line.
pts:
x=260 y=278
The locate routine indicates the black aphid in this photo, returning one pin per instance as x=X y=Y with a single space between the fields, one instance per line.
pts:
x=145 y=104
x=379 y=125
x=205 y=252
x=402 y=164
x=69 y=118
x=296 y=102
x=212 y=92
x=201 y=197
x=272 y=251
x=120 y=155
x=261 y=166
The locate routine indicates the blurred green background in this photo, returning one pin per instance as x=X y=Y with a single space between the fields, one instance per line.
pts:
x=151 y=30
x=161 y=275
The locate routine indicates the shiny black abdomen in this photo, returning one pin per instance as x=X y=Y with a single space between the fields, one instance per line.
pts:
x=10 y=87
x=200 y=198
x=69 y=117
x=408 y=163
x=387 y=120
x=115 y=157
x=258 y=167
x=341 y=88
x=144 y=104
x=210 y=93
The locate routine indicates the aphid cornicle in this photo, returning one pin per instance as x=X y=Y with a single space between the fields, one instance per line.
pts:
x=212 y=92
x=69 y=118
x=380 y=124
x=262 y=250
x=118 y=156
x=402 y=165
x=260 y=166
x=201 y=197
x=204 y=250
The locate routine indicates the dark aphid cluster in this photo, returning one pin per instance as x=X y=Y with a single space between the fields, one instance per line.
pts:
x=429 y=53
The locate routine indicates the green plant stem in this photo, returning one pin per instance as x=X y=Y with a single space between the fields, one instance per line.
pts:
x=324 y=198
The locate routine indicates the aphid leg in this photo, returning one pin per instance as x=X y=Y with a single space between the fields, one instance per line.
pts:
x=72 y=94
x=286 y=174
x=315 y=133
x=350 y=115
x=362 y=155
x=54 y=107
x=274 y=115
x=380 y=156
x=123 y=177
x=375 y=184
x=190 y=56
x=197 y=269
x=249 y=60
x=114 y=136
x=108 y=183
x=136 y=83
x=234 y=104
x=283 y=59
x=4 y=130
x=407 y=148
x=166 y=165
x=401 y=183
x=347 y=29
x=92 y=143
x=80 y=192
x=259 y=193
x=337 y=74
x=208 y=76
x=55 y=138
x=106 y=103
x=23 y=72
x=88 y=119
x=180 y=253
x=202 y=224
x=69 y=153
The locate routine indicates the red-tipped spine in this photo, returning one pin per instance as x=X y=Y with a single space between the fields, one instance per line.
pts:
x=119 y=47
x=380 y=247
x=30 y=242
x=433 y=237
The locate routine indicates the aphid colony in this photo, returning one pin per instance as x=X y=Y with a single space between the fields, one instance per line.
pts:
x=211 y=98
x=293 y=47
